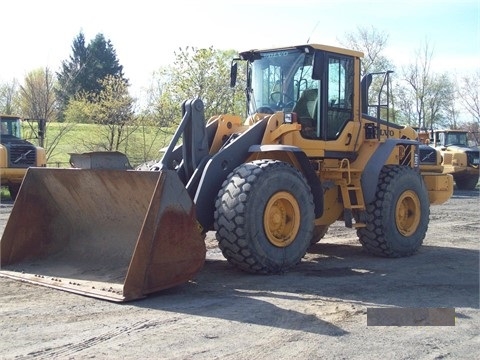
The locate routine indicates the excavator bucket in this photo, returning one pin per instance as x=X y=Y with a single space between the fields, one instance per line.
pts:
x=112 y=234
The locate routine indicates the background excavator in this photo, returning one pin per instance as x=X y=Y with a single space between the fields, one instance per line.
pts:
x=308 y=154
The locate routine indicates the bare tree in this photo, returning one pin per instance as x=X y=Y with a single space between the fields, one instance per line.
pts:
x=36 y=97
x=7 y=97
x=432 y=95
x=405 y=113
x=417 y=76
x=470 y=95
x=372 y=42
x=451 y=111
x=440 y=102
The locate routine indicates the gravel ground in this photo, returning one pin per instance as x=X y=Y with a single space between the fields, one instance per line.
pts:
x=316 y=311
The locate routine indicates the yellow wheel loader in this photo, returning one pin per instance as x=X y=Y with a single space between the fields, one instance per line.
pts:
x=308 y=154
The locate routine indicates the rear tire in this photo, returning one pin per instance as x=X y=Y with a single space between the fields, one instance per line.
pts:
x=264 y=217
x=466 y=182
x=319 y=233
x=13 y=190
x=397 y=220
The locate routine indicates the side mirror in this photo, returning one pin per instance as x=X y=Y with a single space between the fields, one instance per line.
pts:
x=318 y=65
x=233 y=74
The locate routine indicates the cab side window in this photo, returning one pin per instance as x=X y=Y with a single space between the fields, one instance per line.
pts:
x=340 y=94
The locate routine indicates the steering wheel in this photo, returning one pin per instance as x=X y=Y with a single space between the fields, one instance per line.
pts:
x=277 y=96
x=265 y=110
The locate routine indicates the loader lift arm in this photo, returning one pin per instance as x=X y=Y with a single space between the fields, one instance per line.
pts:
x=201 y=172
x=185 y=158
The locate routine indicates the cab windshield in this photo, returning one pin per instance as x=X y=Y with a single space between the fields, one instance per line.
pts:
x=10 y=127
x=278 y=78
x=453 y=138
x=283 y=80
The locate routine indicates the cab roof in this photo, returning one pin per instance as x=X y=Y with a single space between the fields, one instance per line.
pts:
x=3 y=116
x=307 y=48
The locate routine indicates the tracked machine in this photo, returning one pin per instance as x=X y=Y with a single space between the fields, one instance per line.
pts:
x=307 y=154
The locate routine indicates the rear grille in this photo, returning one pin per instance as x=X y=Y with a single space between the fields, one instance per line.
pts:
x=428 y=155
x=21 y=155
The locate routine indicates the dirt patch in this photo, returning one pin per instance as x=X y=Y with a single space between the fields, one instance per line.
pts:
x=318 y=310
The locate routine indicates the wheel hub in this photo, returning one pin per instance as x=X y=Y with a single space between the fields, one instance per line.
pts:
x=281 y=219
x=407 y=213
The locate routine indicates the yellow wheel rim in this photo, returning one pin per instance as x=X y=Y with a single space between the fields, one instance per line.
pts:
x=407 y=213
x=281 y=219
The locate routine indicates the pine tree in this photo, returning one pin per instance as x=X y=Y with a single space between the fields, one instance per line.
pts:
x=84 y=71
x=102 y=61
x=69 y=79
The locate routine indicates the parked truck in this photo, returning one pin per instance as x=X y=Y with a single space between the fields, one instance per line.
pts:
x=459 y=158
x=269 y=184
x=16 y=153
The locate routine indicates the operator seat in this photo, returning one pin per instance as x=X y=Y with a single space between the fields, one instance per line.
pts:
x=306 y=110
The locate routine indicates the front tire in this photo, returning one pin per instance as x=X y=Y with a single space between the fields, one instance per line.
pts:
x=264 y=217
x=397 y=220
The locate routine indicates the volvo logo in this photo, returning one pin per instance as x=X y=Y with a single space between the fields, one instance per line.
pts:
x=22 y=157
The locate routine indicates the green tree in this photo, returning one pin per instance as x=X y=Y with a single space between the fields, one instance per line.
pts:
x=203 y=73
x=86 y=66
x=72 y=75
x=101 y=63
x=112 y=108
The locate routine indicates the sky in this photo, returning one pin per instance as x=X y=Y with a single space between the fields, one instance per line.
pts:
x=146 y=33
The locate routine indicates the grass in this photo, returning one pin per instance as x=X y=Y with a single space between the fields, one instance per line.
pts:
x=4 y=194
x=142 y=145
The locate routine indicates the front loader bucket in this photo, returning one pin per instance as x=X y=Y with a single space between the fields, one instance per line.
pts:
x=112 y=234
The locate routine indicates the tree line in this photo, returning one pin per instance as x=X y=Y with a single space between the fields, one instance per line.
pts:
x=90 y=87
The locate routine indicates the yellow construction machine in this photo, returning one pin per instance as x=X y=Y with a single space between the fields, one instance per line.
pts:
x=459 y=158
x=16 y=153
x=307 y=154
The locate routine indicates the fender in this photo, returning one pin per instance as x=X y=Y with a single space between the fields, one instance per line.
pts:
x=369 y=178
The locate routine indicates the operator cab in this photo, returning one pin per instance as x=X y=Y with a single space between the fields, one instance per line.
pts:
x=451 y=138
x=10 y=127
x=314 y=83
